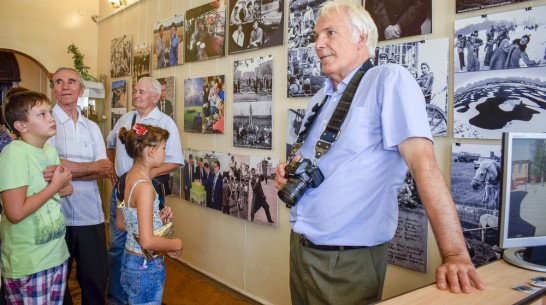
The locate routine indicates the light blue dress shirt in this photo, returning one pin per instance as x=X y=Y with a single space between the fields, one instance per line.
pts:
x=356 y=204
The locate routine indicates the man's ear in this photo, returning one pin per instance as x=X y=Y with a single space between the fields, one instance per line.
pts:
x=20 y=126
x=362 y=41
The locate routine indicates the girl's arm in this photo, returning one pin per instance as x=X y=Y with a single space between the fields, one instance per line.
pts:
x=144 y=196
x=18 y=206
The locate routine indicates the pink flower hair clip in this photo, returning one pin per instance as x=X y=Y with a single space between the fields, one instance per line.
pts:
x=140 y=130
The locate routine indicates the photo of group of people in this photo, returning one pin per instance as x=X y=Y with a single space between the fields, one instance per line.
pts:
x=252 y=102
x=255 y=24
x=304 y=76
x=471 y=5
x=205 y=31
x=238 y=185
x=141 y=61
x=400 y=18
x=120 y=57
x=169 y=37
x=425 y=63
x=204 y=105
x=500 y=68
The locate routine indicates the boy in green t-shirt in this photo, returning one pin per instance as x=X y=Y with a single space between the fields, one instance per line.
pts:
x=34 y=252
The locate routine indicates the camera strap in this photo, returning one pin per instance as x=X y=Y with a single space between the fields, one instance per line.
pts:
x=333 y=129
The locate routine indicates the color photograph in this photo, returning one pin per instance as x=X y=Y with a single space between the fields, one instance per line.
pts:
x=168 y=42
x=205 y=31
x=204 y=104
x=471 y=5
x=167 y=98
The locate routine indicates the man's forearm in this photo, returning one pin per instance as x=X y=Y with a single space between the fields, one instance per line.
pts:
x=165 y=168
x=85 y=171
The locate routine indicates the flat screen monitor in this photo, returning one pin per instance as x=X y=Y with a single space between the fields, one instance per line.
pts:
x=522 y=221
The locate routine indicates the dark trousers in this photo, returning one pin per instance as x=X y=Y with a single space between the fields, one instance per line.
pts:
x=87 y=245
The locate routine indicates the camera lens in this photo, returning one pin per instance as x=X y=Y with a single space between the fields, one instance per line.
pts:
x=292 y=191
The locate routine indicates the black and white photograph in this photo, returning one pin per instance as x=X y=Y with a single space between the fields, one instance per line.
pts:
x=167 y=98
x=507 y=40
x=168 y=50
x=488 y=104
x=205 y=29
x=471 y=5
x=430 y=69
x=253 y=102
x=475 y=185
x=304 y=77
x=236 y=187
x=141 y=61
x=294 y=120
x=400 y=18
x=408 y=248
x=204 y=104
x=263 y=207
x=255 y=24
x=120 y=56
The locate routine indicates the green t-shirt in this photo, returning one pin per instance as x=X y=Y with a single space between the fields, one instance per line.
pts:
x=37 y=242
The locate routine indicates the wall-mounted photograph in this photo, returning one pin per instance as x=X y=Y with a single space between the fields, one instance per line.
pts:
x=253 y=102
x=168 y=42
x=205 y=31
x=430 y=69
x=397 y=19
x=255 y=24
x=408 y=248
x=120 y=56
x=471 y=5
x=294 y=122
x=304 y=76
x=475 y=185
x=141 y=61
x=499 y=82
x=507 y=40
x=204 y=104
x=237 y=185
x=167 y=98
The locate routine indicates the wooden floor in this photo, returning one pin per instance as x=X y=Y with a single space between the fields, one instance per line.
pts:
x=183 y=286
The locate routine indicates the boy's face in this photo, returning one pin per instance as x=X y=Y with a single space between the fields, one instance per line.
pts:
x=40 y=124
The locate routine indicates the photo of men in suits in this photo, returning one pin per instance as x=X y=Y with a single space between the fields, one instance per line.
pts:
x=165 y=104
x=189 y=172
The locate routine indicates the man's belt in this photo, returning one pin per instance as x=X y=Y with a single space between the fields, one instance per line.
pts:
x=309 y=244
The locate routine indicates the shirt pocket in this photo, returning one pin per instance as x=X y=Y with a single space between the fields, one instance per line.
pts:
x=361 y=128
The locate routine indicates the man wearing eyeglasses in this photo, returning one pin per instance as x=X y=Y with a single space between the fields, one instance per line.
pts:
x=145 y=97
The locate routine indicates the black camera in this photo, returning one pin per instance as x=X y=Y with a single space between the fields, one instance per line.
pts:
x=301 y=175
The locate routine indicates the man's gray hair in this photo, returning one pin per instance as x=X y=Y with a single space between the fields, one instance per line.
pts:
x=359 y=22
x=156 y=86
x=80 y=78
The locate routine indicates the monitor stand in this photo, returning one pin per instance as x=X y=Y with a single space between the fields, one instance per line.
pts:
x=532 y=258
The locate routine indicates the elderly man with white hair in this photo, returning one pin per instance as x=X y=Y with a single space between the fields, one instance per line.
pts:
x=145 y=97
x=344 y=215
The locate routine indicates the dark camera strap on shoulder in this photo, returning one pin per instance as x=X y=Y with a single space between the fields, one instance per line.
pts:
x=333 y=129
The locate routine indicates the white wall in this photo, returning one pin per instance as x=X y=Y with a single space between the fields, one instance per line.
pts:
x=250 y=258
